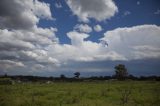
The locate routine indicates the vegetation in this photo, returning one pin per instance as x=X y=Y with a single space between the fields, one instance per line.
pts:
x=77 y=91
x=97 y=93
x=77 y=74
x=62 y=76
x=5 y=81
x=121 y=72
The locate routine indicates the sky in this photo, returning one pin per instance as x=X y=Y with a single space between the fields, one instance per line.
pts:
x=54 y=37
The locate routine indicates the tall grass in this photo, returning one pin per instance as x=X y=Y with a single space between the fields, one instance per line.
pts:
x=115 y=93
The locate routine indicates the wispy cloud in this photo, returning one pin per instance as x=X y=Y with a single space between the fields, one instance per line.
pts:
x=138 y=3
x=157 y=12
x=58 y=5
x=126 y=13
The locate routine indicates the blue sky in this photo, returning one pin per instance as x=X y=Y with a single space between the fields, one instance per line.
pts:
x=53 y=37
x=140 y=14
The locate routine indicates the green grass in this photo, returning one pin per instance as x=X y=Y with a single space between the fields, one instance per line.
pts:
x=113 y=93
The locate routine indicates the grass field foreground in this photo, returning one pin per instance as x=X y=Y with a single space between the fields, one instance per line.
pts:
x=109 y=93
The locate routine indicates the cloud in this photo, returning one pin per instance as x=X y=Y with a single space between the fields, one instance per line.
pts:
x=19 y=14
x=77 y=38
x=157 y=12
x=83 y=28
x=138 y=3
x=25 y=45
x=99 y=10
x=41 y=9
x=124 y=44
x=58 y=5
x=38 y=67
x=138 y=42
x=21 y=39
x=8 y=64
x=98 y=28
x=22 y=42
x=126 y=13
x=82 y=50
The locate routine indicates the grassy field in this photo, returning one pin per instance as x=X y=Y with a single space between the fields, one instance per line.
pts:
x=109 y=93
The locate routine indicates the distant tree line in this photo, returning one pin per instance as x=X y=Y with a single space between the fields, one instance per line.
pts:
x=121 y=73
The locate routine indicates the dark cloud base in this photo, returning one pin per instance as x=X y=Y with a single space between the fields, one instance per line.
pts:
x=98 y=68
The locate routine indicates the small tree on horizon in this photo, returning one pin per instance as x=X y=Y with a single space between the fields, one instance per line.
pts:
x=121 y=72
x=62 y=76
x=5 y=75
x=77 y=74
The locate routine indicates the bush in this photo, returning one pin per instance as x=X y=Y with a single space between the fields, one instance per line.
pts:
x=5 y=81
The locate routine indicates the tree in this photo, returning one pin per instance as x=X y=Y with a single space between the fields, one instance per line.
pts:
x=77 y=74
x=121 y=72
x=62 y=76
x=5 y=75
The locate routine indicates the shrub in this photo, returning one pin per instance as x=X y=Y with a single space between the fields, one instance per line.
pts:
x=5 y=81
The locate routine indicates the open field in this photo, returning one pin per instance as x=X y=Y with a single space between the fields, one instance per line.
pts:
x=108 y=93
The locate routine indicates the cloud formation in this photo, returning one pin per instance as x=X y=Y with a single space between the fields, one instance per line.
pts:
x=138 y=42
x=138 y=2
x=22 y=42
x=77 y=39
x=8 y=64
x=99 y=10
x=82 y=50
x=157 y=12
x=125 y=45
x=126 y=13
x=58 y=5
x=98 y=28
x=83 y=28
x=22 y=14
x=26 y=45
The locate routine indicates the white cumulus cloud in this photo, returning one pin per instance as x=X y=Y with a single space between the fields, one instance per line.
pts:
x=83 y=28
x=99 y=10
x=98 y=28
x=22 y=42
x=138 y=42
x=77 y=38
x=22 y=14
